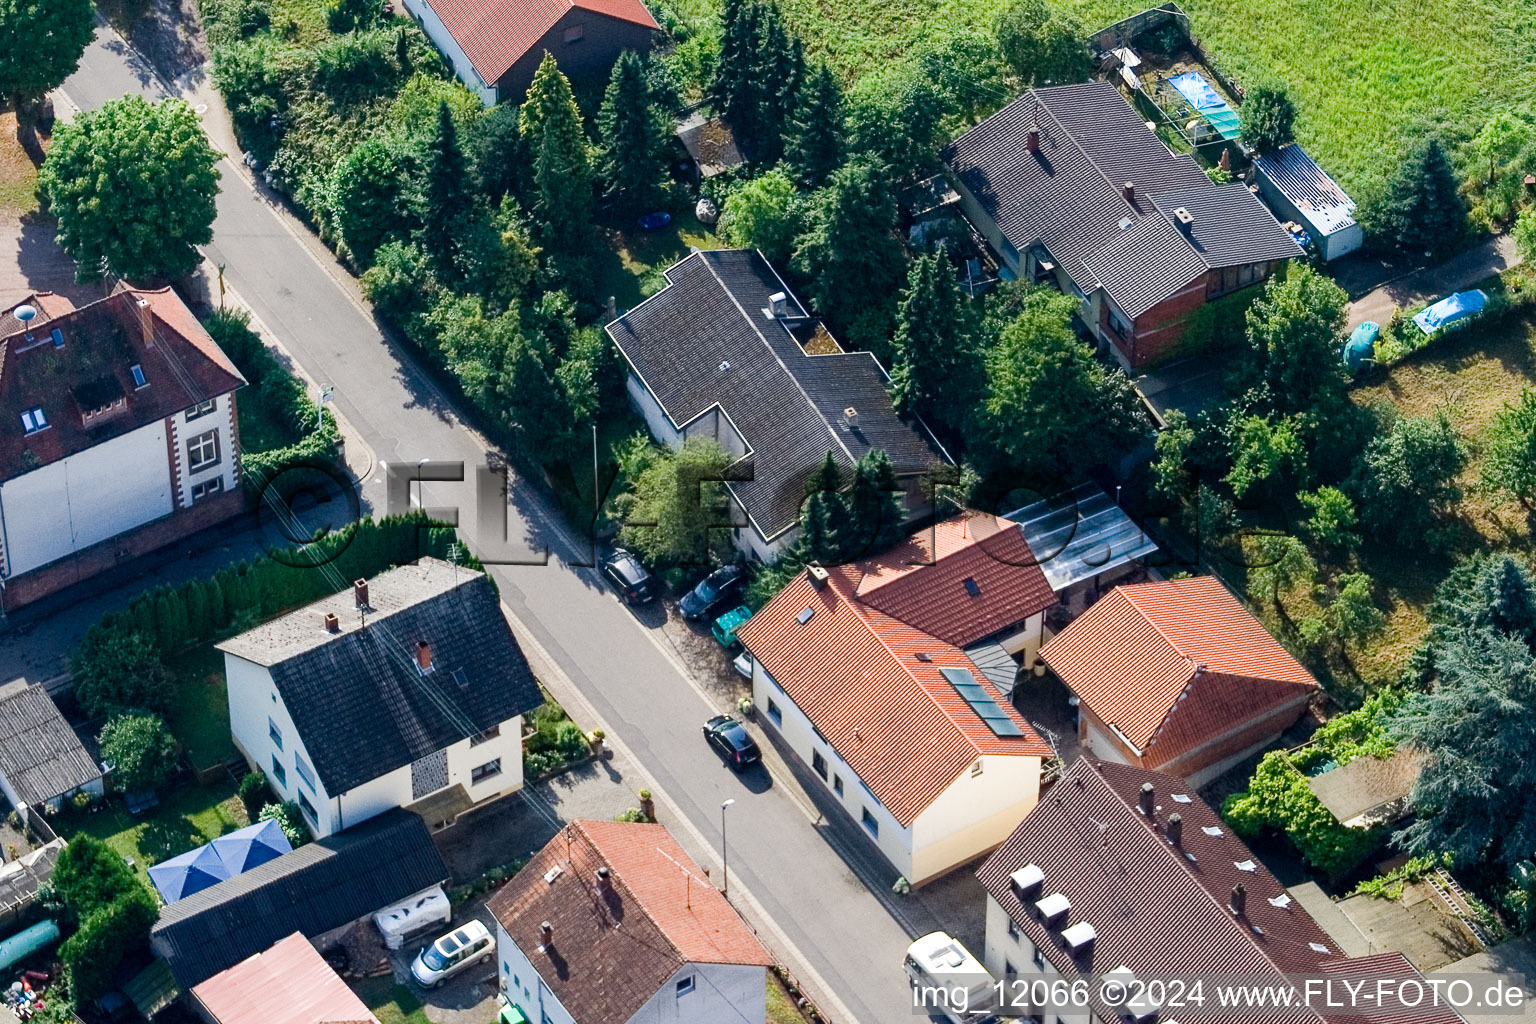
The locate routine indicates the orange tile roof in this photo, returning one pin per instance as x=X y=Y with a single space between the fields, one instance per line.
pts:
x=853 y=670
x=922 y=581
x=496 y=35
x=671 y=915
x=1174 y=663
x=288 y=984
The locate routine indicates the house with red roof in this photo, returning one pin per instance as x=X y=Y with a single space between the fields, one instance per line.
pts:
x=290 y=983
x=868 y=672
x=1126 y=873
x=1177 y=676
x=494 y=48
x=118 y=435
x=612 y=923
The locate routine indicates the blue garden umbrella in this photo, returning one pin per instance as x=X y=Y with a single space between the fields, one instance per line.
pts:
x=255 y=844
x=188 y=873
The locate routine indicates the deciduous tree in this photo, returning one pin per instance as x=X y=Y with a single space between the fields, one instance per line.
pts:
x=370 y=199
x=677 y=506
x=41 y=42
x=1294 y=330
x=1406 y=477
x=141 y=750
x=1509 y=459
x=1043 y=48
x=763 y=214
x=1269 y=117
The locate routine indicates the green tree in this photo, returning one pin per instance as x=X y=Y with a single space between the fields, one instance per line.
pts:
x=1509 y=458
x=1263 y=450
x=759 y=77
x=1350 y=616
x=535 y=402
x=141 y=750
x=897 y=126
x=1421 y=210
x=1501 y=139
x=1269 y=117
x=1278 y=564
x=935 y=358
x=562 y=172
x=494 y=149
x=399 y=284
x=1475 y=797
x=356 y=16
x=41 y=42
x=876 y=507
x=369 y=198
x=1525 y=234
x=445 y=202
x=1487 y=590
x=1277 y=799
x=1407 y=476
x=1050 y=405
x=849 y=251
x=132 y=185
x=677 y=506
x=813 y=142
x=1331 y=519
x=89 y=875
x=1041 y=47
x=763 y=214
x=116 y=670
x=632 y=135
x=1294 y=331
x=107 y=936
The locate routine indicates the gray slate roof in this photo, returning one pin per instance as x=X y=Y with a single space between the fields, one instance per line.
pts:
x=1069 y=196
x=788 y=406
x=356 y=697
x=318 y=887
x=40 y=755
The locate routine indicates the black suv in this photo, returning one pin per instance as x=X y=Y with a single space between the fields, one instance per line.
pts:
x=715 y=593
x=629 y=577
x=730 y=740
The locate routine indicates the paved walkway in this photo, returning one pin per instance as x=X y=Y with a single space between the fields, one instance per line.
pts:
x=1421 y=286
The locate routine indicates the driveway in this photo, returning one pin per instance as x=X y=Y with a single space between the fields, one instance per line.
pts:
x=1419 y=287
x=466 y=998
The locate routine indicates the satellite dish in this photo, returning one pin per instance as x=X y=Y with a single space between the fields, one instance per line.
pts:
x=25 y=313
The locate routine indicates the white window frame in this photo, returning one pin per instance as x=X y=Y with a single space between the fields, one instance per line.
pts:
x=33 y=420
x=279 y=772
x=201 y=443
x=201 y=409
x=207 y=487
x=686 y=985
x=480 y=773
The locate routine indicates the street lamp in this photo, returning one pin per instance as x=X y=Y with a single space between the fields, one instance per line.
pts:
x=725 y=867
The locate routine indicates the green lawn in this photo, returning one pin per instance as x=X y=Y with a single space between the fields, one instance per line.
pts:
x=185 y=818
x=631 y=264
x=200 y=716
x=391 y=1003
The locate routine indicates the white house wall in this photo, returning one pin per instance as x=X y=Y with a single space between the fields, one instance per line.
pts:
x=523 y=986
x=974 y=815
x=894 y=840
x=720 y=992
x=436 y=31
x=108 y=489
x=227 y=470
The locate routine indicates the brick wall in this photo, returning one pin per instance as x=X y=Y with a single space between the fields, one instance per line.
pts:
x=1160 y=329
x=55 y=576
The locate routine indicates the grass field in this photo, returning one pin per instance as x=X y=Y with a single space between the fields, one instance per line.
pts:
x=186 y=817
x=200 y=716
x=1367 y=75
x=18 y=174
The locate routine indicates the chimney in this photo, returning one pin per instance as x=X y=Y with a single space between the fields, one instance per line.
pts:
x=1239 y=900
x=1128 y=191
x=424 y=656
x=360 y=593
x=1144 y=799
x=146 y=320
x=817 y=575
x=603 y=874
x=851 y=415
x=1184 y=219
x=546 y=935
x=1175 y=828
x=1033 y=143
x=332 y=623
x=778 y=305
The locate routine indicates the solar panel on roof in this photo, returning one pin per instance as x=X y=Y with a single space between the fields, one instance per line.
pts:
x=981 y=702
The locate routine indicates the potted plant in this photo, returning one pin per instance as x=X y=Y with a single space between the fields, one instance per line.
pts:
x=647 y=805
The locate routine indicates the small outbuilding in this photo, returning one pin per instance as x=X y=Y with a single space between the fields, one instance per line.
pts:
x=42 y=761
x=1296 y=188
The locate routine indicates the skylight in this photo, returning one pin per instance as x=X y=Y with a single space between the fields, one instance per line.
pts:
x=805 y=616
x=33 y=420
x=981 y=701
x=971 y=587
x=138 y=375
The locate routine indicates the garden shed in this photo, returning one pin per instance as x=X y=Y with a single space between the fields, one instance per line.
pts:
x=1296 y=188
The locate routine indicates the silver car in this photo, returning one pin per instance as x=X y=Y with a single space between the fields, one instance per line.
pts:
x=453 y=953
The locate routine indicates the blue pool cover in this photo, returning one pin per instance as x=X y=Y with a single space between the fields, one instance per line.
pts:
x=1193 y=87
x=1451 y=309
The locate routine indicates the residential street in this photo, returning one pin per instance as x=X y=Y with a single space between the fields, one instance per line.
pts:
x=618 y=664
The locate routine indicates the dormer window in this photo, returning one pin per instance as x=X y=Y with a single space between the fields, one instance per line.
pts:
x=33 y=420
x=200 y=409
x=138 y=376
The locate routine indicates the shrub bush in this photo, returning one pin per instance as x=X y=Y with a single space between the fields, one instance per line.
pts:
x=91 y=956
x=141 y=750
x=116 y=669
x=290 y=819
x=253 y=793
x=89 y=875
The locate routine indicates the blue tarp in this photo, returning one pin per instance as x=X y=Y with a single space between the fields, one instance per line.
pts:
x=188 y=873
x=1361 y=345
x=255 y=844
x=1450 y=309
x=1194 y=88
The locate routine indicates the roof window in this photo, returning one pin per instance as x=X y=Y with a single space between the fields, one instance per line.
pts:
x=806 y=616
x=33 y=420
x=138 y=376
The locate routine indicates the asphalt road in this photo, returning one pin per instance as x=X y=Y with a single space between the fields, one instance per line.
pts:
x=619 y=665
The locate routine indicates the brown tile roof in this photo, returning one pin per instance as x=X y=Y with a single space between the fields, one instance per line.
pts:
x=1173 y=663
x=854 y=671
x=1160 y=910
x=923 y=582
x=671 y=915
x=496 y=35
x=102 y=341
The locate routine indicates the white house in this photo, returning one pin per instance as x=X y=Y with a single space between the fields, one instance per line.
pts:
x=405 y=691
x=726 y=351
x=613 y=923
x=860 y=670
x=118 y=435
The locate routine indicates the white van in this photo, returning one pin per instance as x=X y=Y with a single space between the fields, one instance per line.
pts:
x=949 y=982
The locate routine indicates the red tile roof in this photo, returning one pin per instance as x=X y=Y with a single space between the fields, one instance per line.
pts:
x=897 y=722
x=671 y=915
x=102 y=342
x=496 y=35
x=922 y=581
x=1172 y=664
x=1163 y=911
x=288 y=984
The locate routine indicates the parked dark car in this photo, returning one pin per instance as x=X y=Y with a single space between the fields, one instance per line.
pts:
x=714 y=593
x=629 y=577
x=730 y=740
